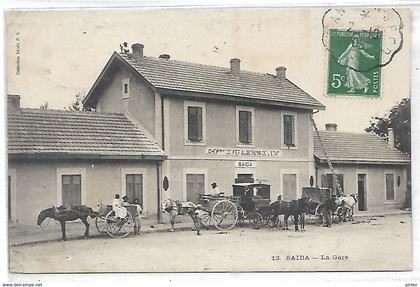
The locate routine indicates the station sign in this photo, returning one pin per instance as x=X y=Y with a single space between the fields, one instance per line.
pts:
x=245 y=164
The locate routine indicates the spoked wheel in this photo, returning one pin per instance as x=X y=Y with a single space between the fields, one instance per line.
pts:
x=255 y=219
x=338 y=215
x=206 y=220
x=100 y=223
x=118 y=227
x=224 y=215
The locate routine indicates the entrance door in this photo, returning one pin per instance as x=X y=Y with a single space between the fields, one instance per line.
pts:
x=361 y=192
x=9 y=198
x=195 y=186
x=134 y=187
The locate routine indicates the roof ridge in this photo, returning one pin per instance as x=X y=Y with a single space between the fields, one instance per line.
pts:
x=200 y=64
x=39 y=110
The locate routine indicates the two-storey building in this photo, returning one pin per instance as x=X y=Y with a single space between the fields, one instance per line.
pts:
x=215 y=124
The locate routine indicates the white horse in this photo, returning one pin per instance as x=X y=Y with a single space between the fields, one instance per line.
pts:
x=176 y=207
x=347 y=202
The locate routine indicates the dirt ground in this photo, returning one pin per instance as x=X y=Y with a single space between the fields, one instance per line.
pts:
x=371 y=243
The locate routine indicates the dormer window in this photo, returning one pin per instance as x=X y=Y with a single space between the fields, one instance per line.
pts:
x=125 y=88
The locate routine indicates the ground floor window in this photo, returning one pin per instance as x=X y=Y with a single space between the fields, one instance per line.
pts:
x=195 y=186
x=71 y=189
x=244 y=178
x=328 y=181
x=389 y=187
x=289 y=187
x=134 y=187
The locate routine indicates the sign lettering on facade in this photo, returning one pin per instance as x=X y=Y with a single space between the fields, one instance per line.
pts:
x=243 y=152
x=245 y=164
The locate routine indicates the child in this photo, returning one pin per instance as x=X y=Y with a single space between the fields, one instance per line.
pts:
x=136 y=217
x=198 y=214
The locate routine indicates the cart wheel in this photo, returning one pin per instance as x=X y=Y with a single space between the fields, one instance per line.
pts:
x=117 y=227
x=255 y=219
x=100 y=223
x=206 y=220
x=338 y=215
x=224 y=215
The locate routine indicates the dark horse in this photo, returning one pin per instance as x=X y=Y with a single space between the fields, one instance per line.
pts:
x=62 y=214
x=296 y=208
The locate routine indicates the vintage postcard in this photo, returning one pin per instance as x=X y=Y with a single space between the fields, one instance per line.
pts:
x=209 y=140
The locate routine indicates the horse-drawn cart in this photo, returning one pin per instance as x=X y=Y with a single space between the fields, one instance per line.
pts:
x=220 y=210
x=318 y=196
x=107 y=222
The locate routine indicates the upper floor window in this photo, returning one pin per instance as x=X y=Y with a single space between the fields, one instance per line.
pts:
x=194 y=122
x=125 y=88
x=289 y=130
x=244 y=124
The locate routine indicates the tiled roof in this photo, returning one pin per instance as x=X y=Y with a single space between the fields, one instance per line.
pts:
x=356 y=147
x=49 y=132
x=183 y=76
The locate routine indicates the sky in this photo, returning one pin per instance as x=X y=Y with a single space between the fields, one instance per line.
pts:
x=62 y=52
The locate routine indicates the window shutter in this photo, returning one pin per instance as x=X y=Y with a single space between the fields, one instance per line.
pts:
x=245 y=127
x=195 y=124
x=288 y=125
x=199 y=124
x=249 y=122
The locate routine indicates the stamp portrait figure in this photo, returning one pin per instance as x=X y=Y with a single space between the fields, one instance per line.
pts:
x=355 y=80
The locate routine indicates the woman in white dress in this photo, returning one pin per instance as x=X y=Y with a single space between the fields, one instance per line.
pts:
x=119 y=210
x=350 y=58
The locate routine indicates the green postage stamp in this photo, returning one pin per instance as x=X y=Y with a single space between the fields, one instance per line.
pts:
x=354 y=64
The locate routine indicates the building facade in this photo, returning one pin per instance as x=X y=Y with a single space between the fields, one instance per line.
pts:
x=366 y=165
x=221 y=125
x=71 y=158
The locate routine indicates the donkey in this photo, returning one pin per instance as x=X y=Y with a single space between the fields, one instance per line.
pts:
x=62 y=214
x=177 y=207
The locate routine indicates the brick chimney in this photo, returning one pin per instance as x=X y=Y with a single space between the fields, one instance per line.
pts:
x=391 y=138
x=235 y=66
x=13 y=104
x=331 y=127
x=137 y=51
x=281 y=73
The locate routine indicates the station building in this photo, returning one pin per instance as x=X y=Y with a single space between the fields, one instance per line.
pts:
x=168 y=129
x=215 y=124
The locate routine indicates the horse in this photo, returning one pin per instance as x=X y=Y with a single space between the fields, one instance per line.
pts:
x=177 y=207
x=296 y=208
x=62 y=214
x=348 y=202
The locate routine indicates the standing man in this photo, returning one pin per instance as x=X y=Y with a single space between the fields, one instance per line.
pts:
x=330 y=205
